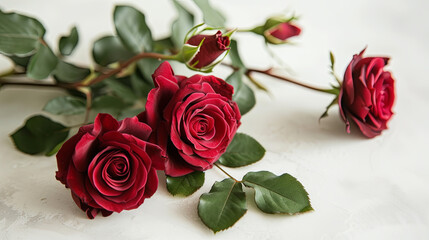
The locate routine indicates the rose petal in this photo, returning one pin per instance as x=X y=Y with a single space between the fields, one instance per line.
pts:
x=81 y=155
x=104 y=123
x=64 y=158
x=136 y=128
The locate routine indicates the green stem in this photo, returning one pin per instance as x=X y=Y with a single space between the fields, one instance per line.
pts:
x=217 y=165
x=269 y=73
x=125 y=65
x=31 y=84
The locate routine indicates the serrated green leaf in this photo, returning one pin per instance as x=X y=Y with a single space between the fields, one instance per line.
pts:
x=109 y=49
x=223 y=206
x=65 y=105
x=185 y=185
x=121 y=90
x=39 y=135
x=42 y=63
x=278 y=194
x=131 y=28
x=108 y=104
x=181 y=25
x=243 y=94
x=68 y=43
x=212 y=17
x=69 y=73
x=235 y=56
x=19 y=35
x=242 y=151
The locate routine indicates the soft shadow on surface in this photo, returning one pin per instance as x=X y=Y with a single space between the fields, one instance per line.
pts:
x=301 y=128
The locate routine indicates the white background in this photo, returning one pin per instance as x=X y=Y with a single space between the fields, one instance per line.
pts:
x=359 y=188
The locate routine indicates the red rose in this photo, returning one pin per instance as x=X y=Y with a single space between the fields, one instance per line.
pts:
x=212 y=47
x=281 y=32
x=108 y=165
x=194 y=119
x=367 y=95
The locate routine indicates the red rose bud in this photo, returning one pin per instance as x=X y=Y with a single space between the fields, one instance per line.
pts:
x=210 y=48
x=367 y=95
x=109 y=166
x=281 y=32
x=277 y=30
x=193 y=119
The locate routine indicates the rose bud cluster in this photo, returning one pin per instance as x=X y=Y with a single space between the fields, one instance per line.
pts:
x=109 y=166
x=194 y=119
x=201 y=52
x=278 y=30
x=367 y=94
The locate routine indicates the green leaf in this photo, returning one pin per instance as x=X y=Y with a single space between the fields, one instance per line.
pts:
x=108 y=104
x=147 y=67
x=245 y=99
x=185 y=185
x=132 y=29
x=181 y=25
x=243 y=94
x=212 y=17
x=39 y=135
x=21 y=61
x=164 y=45
x=65 y=105
x=69 y=73
x=55 y=149
x=278 y=194
x=129 y=113
x=68 y=43
x=109 y=49
x=140 y=87
x=223 y=206
x=121 y=90
x=242 y=151
x=19 y=35
x=235 y=56
x=42 y=63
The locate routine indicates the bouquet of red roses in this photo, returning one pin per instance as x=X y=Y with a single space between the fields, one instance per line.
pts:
x=140 y=119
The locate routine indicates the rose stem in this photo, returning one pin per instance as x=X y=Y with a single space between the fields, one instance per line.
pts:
x=269 y=72
x=126 y=64
x=64 y=86
x=217 y=165
x=93 y=81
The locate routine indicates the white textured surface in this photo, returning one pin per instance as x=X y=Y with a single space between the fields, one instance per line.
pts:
x=359 y=188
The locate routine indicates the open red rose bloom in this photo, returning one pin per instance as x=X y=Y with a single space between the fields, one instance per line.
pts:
x=367 y=95
x=194 y=119
x=108 y=165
